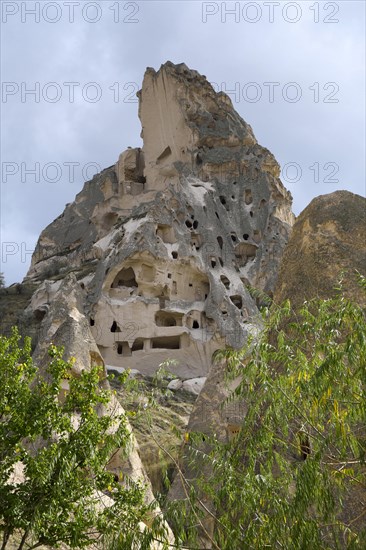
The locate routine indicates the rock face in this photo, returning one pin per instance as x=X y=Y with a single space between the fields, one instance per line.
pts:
x=161 y=250
x=65 y=325
x=328 y=238
x=166 y=243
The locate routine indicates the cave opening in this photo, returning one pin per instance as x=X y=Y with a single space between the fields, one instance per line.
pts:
x=248 y=197
x=138 y=345
x=115 y=327
x=225 y=281
x=165 y=342
x=237 y=300
x=168 y=319
x=166 y=233
x=125 y=277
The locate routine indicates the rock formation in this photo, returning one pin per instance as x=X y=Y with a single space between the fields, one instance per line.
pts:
x=165 y=246
x=157 y=256
x=66 y=326
x=166 y=243
x=328 y=240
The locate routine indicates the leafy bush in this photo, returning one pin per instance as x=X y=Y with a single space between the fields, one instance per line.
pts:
x=294 y=475
x=55 y=446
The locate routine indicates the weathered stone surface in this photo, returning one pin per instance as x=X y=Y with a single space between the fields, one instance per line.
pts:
x=166 y=243
x=175 y=384
x=194 y=385
x=328 y=239
x=65 y=325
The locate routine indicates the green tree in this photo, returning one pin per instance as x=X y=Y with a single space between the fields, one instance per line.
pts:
x=2 y=280
x=59 y=446
x=294 y=477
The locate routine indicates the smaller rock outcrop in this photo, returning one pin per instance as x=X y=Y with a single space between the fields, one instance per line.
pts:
x=328 y=239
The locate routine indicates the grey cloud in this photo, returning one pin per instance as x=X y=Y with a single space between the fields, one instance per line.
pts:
x=305 y=132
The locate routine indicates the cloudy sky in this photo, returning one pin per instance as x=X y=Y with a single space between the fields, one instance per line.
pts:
x=295 y=71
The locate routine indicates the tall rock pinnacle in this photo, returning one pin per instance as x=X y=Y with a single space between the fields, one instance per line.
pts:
x=182 y=119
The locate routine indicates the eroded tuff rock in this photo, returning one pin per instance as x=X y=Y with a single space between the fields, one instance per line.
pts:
x=155 y=257
x=328 y=240
x=65 y=325
x=166 y=243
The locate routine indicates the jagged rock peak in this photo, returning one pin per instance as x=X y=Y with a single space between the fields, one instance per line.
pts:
x=183 y=119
